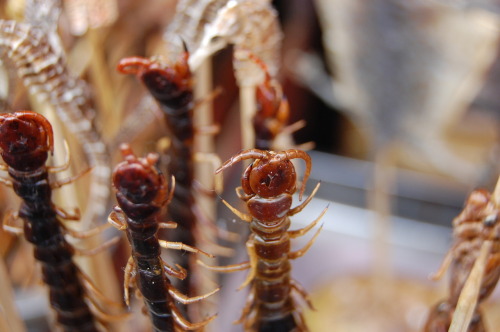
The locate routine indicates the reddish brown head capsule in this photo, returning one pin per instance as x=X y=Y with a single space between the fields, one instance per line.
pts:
x=272 y=173
x=25 y=139
x=137 y=183
x=164 y=81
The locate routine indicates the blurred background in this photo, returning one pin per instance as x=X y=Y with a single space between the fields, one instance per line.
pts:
x=400 y=100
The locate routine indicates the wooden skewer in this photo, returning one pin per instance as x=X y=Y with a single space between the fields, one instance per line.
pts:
x=9 y=318
x=467 y=301
x=468 y=298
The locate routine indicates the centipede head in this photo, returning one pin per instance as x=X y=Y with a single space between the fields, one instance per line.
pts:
x=138 y=184
x=26 y=138
x=272 y=173
x=164 y=80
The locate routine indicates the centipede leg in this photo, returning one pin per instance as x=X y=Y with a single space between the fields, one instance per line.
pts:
x=128 y=279
x=300 y=290
x=182 y=246
x=238 y=213
x=102 y=316
x=60 y=183
x=67 y=215
x=254 y=259
x=300 y=207
x=301 y=252
x=299 y=232
x=7 y=225
x=249 y=306
x=185 y=324
x=179 y=274
x=92 y=289
x=63 y=167
x=117 y=221
x=186 y=299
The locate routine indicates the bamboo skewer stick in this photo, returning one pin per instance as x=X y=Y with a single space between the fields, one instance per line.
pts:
x=467 y=302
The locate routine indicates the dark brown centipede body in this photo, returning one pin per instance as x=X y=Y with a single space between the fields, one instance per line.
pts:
x=25 y=142
x=141 y=192
x=171 y=86
x=267 y=188
x=478 y=221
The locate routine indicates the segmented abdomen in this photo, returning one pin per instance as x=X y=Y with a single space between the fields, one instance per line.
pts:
x=45 y=73
x=272 y=283
x=60 y=274
x=177 y=106
x=151 y=279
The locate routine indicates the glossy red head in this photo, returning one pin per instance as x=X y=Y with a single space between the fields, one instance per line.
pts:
x=137 y=178
x=26 y=138
x=163 y=80
x=272 y=173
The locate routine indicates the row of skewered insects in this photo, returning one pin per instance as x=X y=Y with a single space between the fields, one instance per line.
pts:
x=142 y=192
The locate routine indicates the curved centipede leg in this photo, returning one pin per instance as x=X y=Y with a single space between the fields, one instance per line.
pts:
x=182 y=246
x=249 y=305
x=101 y=315
x=253 y=262
x=92 y=289
x=128 y=279
x=67 y=215
x=179 y=274
x=60 y=183
x=300 y=290
x=117 y=221
x=300 y=207
x=65 y=165
x=238 y=213
x=186 y=299
x=301 y=252
x=7 y=221
x=299 y=232
x=185 y=324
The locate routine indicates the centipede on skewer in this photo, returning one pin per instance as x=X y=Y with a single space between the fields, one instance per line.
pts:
x=44 y=71
x=171 y=86
x=141 y=192
x=477 y=224
x=26 y=140
x=267 y=186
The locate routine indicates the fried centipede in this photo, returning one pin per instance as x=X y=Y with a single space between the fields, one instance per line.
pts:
x=267 y=186
x=26 y=140
x=171 y=86
x=141 y=193
x=477 y=223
